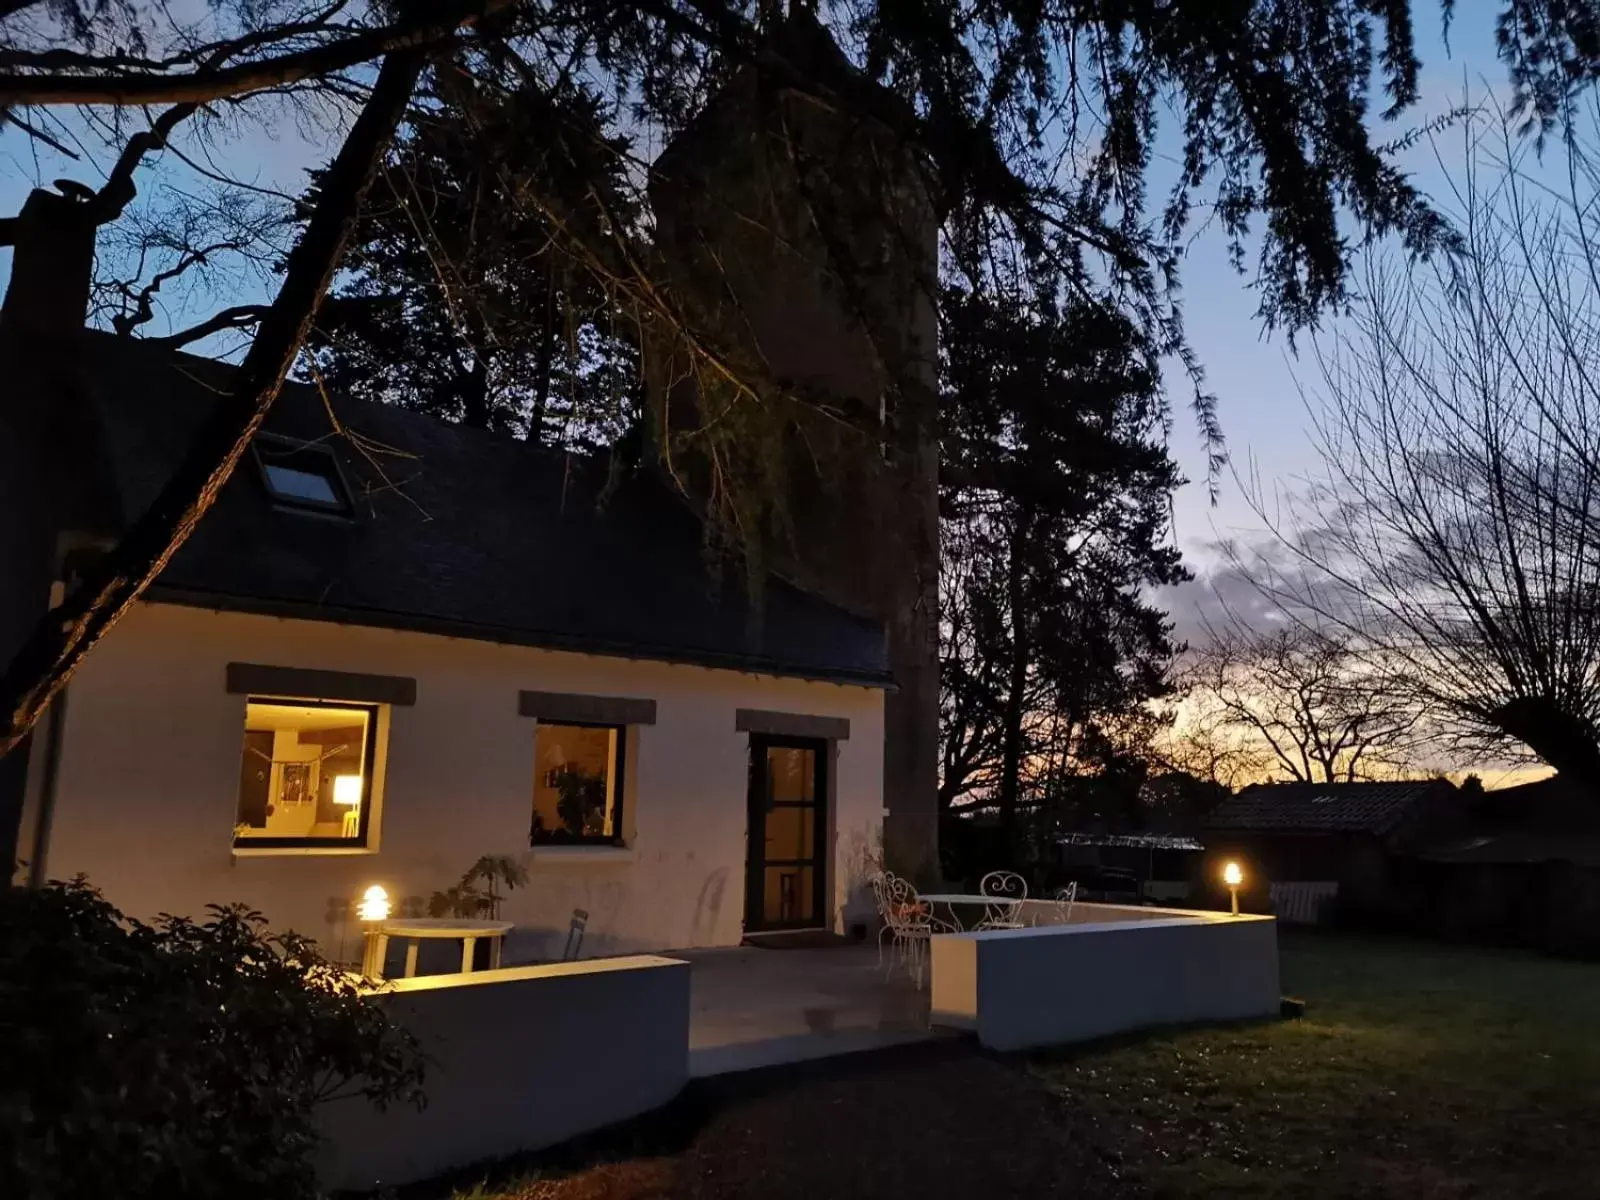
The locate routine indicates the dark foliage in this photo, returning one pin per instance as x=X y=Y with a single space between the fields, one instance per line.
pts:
x=177 y=1060
x=463 y=295
x=1055 y=524
x=582 y=802
x=477 y=896
x=1272 y=97
x=1038 y=120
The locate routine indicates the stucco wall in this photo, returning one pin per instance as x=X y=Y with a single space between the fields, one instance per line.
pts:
x=150 y=773
x=518 y=1059
x=1053 y=985
x=1090 y=912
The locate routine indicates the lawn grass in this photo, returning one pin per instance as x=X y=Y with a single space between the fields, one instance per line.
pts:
x=1418 y=1071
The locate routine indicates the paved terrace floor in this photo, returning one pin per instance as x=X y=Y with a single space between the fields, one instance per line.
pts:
x=756 y=1007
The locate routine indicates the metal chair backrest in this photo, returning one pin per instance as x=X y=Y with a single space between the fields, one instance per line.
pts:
x=898 y=903
x=1003 y=885
x=1064 y=897
x=580 y=922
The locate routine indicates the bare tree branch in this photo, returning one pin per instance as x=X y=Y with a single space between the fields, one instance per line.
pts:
x=58 y=645
x=119 y=190
x=1454 y=532
x=207 y=84
x=229 y=318
x=58 y=58
x=38 y=134
x=1304 y=697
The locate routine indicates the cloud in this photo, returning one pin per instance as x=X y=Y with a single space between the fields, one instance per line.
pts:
x=1211 y=596
x=1256 y=584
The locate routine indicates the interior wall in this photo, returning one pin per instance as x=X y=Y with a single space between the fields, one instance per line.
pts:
x=150 y=775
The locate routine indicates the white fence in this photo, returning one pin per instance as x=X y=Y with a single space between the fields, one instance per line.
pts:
x=1302 y=902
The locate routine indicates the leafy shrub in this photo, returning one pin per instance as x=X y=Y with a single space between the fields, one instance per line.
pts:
x=478 y=894
x=177 y=1060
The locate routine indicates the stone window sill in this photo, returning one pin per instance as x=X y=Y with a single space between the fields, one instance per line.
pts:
x=584 y=855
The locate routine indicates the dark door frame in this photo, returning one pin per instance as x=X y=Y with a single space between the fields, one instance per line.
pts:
x=755 y=828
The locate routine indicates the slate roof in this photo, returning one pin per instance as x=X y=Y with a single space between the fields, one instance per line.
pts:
x=1131 y=841
x=1547 y=820
x=1517 y=848
x=1375 y=808
x=472 y=534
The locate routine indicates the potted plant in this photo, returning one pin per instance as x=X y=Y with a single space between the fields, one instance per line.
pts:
x=477 y=896
x=581 y=802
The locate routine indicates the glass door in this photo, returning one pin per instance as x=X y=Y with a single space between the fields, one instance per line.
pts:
x=788 y=831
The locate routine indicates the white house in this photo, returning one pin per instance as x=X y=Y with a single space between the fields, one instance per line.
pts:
x=395 y=645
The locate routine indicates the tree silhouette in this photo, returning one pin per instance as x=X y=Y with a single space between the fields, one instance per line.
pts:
x=1054 y=507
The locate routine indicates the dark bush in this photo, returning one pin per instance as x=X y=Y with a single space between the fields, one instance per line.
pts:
x=176 y=1060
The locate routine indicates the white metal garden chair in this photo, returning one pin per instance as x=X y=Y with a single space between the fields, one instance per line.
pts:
x=908 y=922
x=1064 y=899
x=1008 y=890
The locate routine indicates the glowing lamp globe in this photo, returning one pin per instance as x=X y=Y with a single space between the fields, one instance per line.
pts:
x=347 y=790
x=1232 y=875
x=374 y=904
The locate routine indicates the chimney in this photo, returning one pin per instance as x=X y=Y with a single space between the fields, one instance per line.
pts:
x=52 y=262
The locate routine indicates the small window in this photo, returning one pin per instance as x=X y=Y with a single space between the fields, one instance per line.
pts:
x=302 y=475
x=305 y=775
x=577 y=784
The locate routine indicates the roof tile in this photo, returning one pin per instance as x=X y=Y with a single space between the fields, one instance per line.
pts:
x=1375 y=808
x=458 y=530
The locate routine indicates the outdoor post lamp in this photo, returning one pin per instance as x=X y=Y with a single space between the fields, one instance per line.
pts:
x=1233 y=877
x=373 y=911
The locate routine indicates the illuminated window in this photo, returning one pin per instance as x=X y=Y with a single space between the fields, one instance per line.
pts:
x=303 y=475
x=577 y=784
x=305 y=775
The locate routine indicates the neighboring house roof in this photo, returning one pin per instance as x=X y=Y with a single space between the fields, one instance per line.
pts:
x=1375 y=808
x=1550 y=805
x=1517 y=848
x=457 y=531
x=1131 y=841
x=1547 y=820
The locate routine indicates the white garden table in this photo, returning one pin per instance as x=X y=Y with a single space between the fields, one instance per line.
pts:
x=1009 y=907
x=467 y=932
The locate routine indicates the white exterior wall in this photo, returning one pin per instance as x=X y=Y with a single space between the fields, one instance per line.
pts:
x=1104 y=972
x=518 y=1059
x=149 y=777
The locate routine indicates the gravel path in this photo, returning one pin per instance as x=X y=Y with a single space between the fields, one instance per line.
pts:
x=936 y=1121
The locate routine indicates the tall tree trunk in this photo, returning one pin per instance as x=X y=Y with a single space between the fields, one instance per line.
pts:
x=1564 y=742
x=543 y=364
x=474 y=392
x=474 y=386
x=1016 y=699
x=911 y=607
x=57 y=646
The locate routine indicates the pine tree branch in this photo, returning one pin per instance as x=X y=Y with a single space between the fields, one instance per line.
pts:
x=59 y=643
x=206 y=84
x=60 y=58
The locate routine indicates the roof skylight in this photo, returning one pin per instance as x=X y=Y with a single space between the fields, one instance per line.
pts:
x=302 y=475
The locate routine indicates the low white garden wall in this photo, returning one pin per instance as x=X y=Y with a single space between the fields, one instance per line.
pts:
x=520 y=1058
x=1088 y=912
x=1111 y=969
